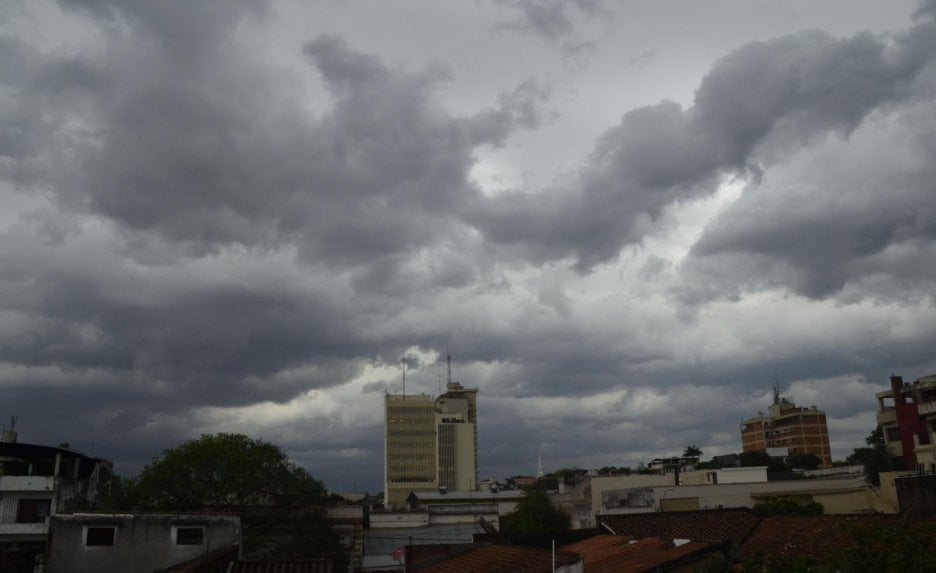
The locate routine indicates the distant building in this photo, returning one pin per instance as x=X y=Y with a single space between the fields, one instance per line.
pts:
x=907 y=415
x=411 y=447
x=37 y=482
x=796 y=430
x=457 y=420
x=671 y=465
x=430 y=445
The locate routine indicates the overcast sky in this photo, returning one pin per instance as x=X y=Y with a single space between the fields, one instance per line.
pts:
x=625 y=220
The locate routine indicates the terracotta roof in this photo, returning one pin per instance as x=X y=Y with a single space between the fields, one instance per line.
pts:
x=816 y=537
x=733 y=524
x=503 y=559
x=299 y=566
x=613 y=553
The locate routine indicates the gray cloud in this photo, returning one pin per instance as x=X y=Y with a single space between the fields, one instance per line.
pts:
x=845 y=219
x=551 y=19
x=757 y=102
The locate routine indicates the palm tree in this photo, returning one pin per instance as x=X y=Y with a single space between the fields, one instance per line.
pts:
x=692 y=452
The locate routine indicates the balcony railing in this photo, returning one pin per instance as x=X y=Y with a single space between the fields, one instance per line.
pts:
x=27 y=483
x=927 y=408
x=887 y=416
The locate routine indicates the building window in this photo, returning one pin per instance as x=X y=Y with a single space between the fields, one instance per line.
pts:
x=100 y=536
x=189 y=535
x=892 y=434
x=33 y=510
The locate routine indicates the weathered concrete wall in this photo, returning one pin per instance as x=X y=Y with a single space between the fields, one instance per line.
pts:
x=399 y=519
x=917 y=494
x=143 y=542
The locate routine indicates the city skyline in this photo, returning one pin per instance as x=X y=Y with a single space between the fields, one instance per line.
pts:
x=626 y=221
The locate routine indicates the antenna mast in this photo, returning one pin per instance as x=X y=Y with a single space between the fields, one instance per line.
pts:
x=448 y=359
x=403 y=366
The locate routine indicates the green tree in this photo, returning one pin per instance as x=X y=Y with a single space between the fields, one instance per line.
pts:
x=788 y=506
x=692 y=452
x=754 y=458
x=534 y=513
x=282 y=506
x=804 y=461
x=225 y=472
x=903 y=548
x=875 y=458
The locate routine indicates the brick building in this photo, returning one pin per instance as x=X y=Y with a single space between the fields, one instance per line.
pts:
x=795 y=429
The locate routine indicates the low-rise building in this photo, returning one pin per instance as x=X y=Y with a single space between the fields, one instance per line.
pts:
x=36 y=483
x=848 y=494
x=121 y=542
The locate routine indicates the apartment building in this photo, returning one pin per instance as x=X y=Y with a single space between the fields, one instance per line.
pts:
x=907 y=414
x=36 y=483
x=795 y=429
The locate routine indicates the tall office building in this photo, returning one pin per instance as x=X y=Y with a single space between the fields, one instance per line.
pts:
x=430 y=445
x=410 y=448
x=797 y=430
x=456 y=417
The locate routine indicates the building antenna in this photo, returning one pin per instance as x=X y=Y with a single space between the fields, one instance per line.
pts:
x=13 y=423
x=440 y=384
x=403 y=366
x=448 y=359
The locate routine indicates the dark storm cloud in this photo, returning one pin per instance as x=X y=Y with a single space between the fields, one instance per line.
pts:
x=756 y=104
x=193 y=139
x=194 y=151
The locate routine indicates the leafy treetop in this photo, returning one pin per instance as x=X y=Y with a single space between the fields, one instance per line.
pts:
x=692 y=452
x=224 y=472
x=533 y=514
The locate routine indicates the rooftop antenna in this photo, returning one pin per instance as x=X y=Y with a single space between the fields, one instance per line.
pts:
x=403 y=366
x=440 y=384
x=448 y=359
x=13 y=423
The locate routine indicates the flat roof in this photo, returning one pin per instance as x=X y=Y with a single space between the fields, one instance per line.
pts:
x=471 y=495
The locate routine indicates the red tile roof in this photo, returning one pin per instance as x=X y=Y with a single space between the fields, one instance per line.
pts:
x=733 y=524
x=299 y=566
x=503 y=559
x=817 y=537
x=613 y=553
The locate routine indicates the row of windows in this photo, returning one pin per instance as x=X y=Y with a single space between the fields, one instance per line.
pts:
x=105 y=536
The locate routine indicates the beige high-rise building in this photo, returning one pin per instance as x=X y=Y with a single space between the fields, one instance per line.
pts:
x=430 y=445
x=411 y=447
x=456 y=416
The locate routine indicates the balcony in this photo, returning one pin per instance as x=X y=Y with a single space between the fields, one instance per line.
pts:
x=12 y=528
x=927 y=408
x=27 y=483
x=887 y=416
